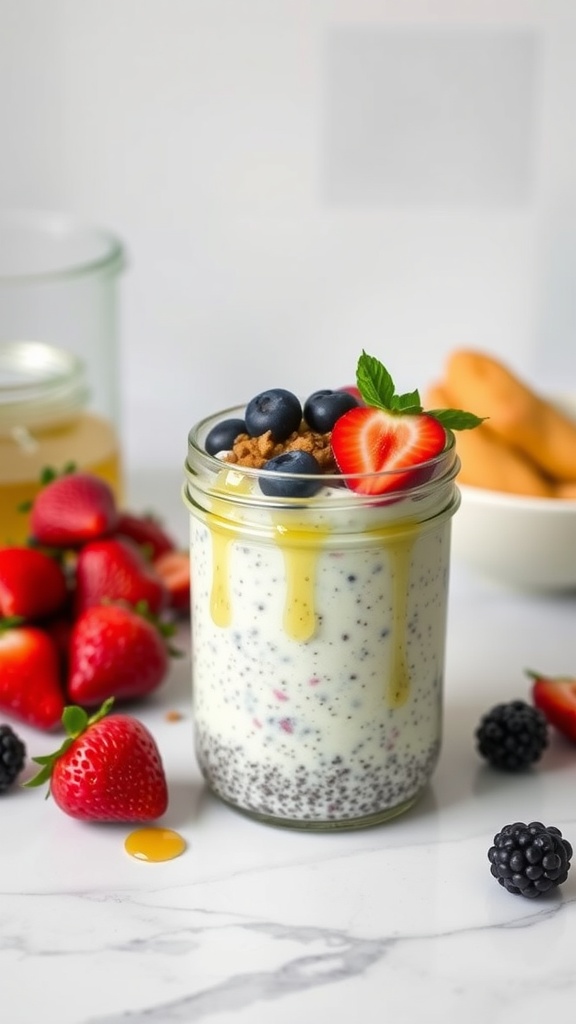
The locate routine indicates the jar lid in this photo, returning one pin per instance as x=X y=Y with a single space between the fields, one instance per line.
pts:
x=40 y=385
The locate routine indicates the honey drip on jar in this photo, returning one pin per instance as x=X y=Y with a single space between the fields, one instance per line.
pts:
x=154 y=844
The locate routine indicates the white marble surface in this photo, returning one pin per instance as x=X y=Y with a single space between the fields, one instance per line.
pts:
x=254 y=924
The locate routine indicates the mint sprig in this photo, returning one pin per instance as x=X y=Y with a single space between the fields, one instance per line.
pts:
x=378 y=390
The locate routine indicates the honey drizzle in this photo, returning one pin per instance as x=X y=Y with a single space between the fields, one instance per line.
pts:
x=154 y=844
x=300 y=551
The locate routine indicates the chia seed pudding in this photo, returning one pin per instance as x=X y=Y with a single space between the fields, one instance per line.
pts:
x=318 y=632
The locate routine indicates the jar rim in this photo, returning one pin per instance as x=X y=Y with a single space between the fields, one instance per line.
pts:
x=442 y=468
x=39 y=384
x=76 y=249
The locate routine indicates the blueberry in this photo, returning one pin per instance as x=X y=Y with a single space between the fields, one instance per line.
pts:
x=222 y=436
x=323 y=408
x=285 y=487
x=276 y=410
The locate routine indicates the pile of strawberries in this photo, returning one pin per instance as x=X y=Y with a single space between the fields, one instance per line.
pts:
x=87 y=607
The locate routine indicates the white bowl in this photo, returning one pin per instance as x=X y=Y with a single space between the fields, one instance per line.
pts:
x=525 y=543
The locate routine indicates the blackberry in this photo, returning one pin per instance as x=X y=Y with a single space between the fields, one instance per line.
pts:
x=512 y=736
x=12 y=756
x=529 y=860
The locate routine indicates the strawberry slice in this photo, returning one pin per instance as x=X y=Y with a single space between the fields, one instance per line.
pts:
x=556 y=698
x=373 y=441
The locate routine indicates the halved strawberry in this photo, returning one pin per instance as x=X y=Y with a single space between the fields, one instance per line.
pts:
x=174 y=568
x=73 y=509
x=372 y=441
x=556 y=698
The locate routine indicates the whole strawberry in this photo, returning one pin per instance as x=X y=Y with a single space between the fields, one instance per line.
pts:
x=72 y=510
x=107 y=769
x=146 y=531
x=173 y=567
x=114 y=651
x=32 y=583
x=30 y=681
x=115 y=569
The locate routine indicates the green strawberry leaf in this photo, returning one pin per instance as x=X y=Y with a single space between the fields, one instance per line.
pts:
x=409 y=404
x=75 y=721
x=377 y=389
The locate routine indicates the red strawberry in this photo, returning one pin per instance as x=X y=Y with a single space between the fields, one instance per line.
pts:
x=147 y=532
x=72 y=510
x=370 y=440
x=115 y=569
x=114 y=652
x=107 y=769
x=354 y=391
x=30 y=684
x=174 y=568
x=556 y=698
x=32 y=584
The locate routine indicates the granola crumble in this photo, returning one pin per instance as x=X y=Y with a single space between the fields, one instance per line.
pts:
x=254 y=452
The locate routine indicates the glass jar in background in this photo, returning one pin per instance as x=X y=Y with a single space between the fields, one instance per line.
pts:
x=59 y=356
x=318 y=632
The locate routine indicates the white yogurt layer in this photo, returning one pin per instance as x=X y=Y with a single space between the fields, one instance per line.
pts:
x=318 y=653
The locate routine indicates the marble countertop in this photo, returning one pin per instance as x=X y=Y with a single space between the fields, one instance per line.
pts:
x=253 y=924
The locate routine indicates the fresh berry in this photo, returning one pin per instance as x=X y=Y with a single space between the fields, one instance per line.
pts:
x=292 y=486
x=114 y=569
x=556 y=698
x=32 y=584
x=12 y=757
x=276 y=410
x=388 y=440
x=107 y=769
x=72 y=510
x=146 y=531
x=384 y=446
x=351 y=389
x=222 y=435
x=173 y=568
x=512 y=736
x=30 y=679
x=323 y=408
x=529 y=860
x=114 y=652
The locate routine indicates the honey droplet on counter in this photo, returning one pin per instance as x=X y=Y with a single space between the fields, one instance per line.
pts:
x=154 y=844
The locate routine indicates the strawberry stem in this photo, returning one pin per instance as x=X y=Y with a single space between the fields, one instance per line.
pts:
x=75 y=721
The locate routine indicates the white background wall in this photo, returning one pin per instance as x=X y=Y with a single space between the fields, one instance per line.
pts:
x=298 y=179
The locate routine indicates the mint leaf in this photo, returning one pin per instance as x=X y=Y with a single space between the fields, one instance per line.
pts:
x=377 y=389
x=374 y=382
x=408 y=404
x=456 y=419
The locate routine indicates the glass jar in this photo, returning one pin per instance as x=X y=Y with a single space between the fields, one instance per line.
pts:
x=318 y=635
x=45 y=422
x=59 y=355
